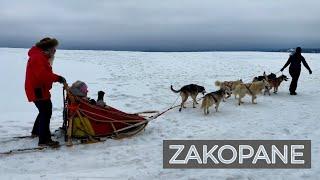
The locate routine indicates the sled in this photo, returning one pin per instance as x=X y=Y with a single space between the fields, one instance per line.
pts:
x=85 y=120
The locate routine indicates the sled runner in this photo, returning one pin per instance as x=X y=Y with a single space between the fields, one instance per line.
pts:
x=85 y=120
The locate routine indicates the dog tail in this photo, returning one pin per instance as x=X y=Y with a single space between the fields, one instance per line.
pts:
x=217 y=83
x=175 y=91
x=204 y=102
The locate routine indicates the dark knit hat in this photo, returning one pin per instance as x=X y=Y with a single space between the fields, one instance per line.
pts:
x=101 y=93
x=298 y=50
x=47 y=43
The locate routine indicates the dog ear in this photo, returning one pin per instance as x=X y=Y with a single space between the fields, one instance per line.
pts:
x=265 y=76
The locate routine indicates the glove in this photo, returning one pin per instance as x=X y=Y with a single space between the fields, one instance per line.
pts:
x=61 y=80
x=310 y=72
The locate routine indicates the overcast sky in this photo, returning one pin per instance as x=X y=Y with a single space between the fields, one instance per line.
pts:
x=162 y=25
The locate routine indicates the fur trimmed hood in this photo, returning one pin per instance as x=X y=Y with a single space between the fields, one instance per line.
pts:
x=47 y=43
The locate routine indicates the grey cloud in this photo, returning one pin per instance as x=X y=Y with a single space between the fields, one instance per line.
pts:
x=167 y=25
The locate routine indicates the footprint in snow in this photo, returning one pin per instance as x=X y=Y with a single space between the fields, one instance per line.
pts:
x=56 y=109
x=3 y=131
x=128 y=105
x=286 y=131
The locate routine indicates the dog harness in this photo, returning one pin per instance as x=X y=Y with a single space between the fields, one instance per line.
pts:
x=248 y=88
x=214 y=98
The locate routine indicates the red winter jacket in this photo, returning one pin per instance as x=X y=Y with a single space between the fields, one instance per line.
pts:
x=39 y=76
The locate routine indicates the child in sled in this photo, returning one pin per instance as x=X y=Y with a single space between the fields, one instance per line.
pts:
x=80 y=89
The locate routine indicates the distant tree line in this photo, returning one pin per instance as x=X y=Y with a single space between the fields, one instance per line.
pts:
x=304 y=50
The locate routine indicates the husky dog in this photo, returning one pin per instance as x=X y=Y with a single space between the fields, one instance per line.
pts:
x=275 y=83
x=252 y=89
x=228 y=85
x=189 y=90
x=266 y=77
x=213 y=98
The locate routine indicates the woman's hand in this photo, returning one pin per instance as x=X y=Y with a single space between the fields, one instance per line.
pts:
x=62 y=80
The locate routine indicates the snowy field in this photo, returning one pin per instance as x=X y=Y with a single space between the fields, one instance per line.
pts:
x=139 y=81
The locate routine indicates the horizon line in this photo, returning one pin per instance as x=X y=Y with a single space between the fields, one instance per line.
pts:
x=201 y=50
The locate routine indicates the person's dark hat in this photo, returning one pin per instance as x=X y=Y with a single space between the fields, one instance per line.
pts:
x=47 y=43
x=101 y=93
x=298 y=50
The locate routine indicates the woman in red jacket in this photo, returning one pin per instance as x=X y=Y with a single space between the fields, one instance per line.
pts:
x=39 y=80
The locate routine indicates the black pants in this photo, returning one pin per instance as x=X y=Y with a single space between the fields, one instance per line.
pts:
x=41 y=126
x=294 y=73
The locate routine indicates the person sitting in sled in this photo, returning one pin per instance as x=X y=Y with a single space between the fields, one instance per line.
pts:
x=295 y=69
x=80 y=89
x=38 y=83
x=100 y=100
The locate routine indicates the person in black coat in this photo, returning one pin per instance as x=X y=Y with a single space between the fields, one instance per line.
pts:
x=295 y=69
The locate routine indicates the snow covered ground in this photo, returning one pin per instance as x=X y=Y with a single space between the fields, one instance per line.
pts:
x=138 y=81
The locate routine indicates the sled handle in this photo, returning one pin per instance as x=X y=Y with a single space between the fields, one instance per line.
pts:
x=69 y=120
